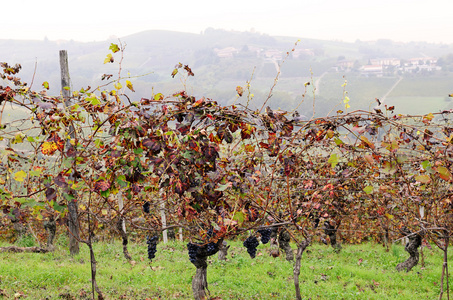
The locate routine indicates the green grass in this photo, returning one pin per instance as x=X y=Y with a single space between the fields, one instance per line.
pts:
x=361 y=90
x=418 y=105
x=439 y=86
x=357 y=272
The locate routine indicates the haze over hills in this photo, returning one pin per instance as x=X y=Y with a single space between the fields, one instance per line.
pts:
x=403 y=73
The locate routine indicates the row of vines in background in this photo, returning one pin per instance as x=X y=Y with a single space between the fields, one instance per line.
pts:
x=219 y=172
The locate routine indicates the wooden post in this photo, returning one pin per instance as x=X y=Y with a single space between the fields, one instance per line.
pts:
x=163 y=217
x=120 y=208
x=73 y=215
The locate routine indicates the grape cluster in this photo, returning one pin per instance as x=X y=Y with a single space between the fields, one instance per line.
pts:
x=211 y=248
x=265 y=235
x=251 y=243
x=193 y=250
x=152 y=246
x=146 y=207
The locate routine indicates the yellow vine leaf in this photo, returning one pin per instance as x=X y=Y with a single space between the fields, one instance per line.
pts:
x=20 y=176
x=49 y=148
x=129 y=85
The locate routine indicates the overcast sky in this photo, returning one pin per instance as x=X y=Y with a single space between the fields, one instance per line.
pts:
x=347 y=20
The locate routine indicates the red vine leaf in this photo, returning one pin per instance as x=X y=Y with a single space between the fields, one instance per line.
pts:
x=51 y=194
x=60 y=181
x=101 y=185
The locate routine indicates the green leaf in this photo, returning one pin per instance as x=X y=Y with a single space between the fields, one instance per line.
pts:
x=158 y=97
x=45 y=84
x=423 y=178
x=338 y=142
x=109 y=59
x=368 y=189
x=61 y=208
x=93 y=100
x=333 y=160
x=389 y=168
x=36 y=172
x=426 y=165
x=239 y=217
x=187 y=154
x=105 y=193
x=346 y=102
x=114 y=48
x=138 y=151
x=18 y=138
x=223 y=187
x=121 y=180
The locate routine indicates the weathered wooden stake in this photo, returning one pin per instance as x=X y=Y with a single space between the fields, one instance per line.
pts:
x=163 y=217
x=73 y=215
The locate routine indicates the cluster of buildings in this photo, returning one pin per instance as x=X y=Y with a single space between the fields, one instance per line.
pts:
x=270 y=54
x=389 y=66
x=377 y=67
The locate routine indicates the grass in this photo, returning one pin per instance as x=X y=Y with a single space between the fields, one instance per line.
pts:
x=418 y=105
x=361 y=90
x=358 y=272
x=435 y=86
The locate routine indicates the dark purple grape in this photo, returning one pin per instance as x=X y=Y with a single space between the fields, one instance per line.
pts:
x=212 y=248
x=146 y=207
x=265 y=235
x=193 y=250
x=152 y=246
x=251 y=243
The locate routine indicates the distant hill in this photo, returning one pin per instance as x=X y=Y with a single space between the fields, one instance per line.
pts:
x=222 y=60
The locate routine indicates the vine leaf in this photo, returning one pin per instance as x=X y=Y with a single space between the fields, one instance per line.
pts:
x=60 y=181
x=423 y=178
x=223 y=187
x=179 y=187
x=210 y=153
x=333 y=160
x=49 y=148
x=114 y=48
x=51 y=194
x=101 y=185
x=239 y=90
x=367 y=142
x=129 y=85
x=20 y=176
x=109 y=59
x=444 y=173
x=368 y=189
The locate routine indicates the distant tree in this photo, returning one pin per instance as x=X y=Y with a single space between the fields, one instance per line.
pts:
x=440 y=62
x=356 y=65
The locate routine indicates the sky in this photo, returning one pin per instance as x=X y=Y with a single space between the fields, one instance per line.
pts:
x=344 y=20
